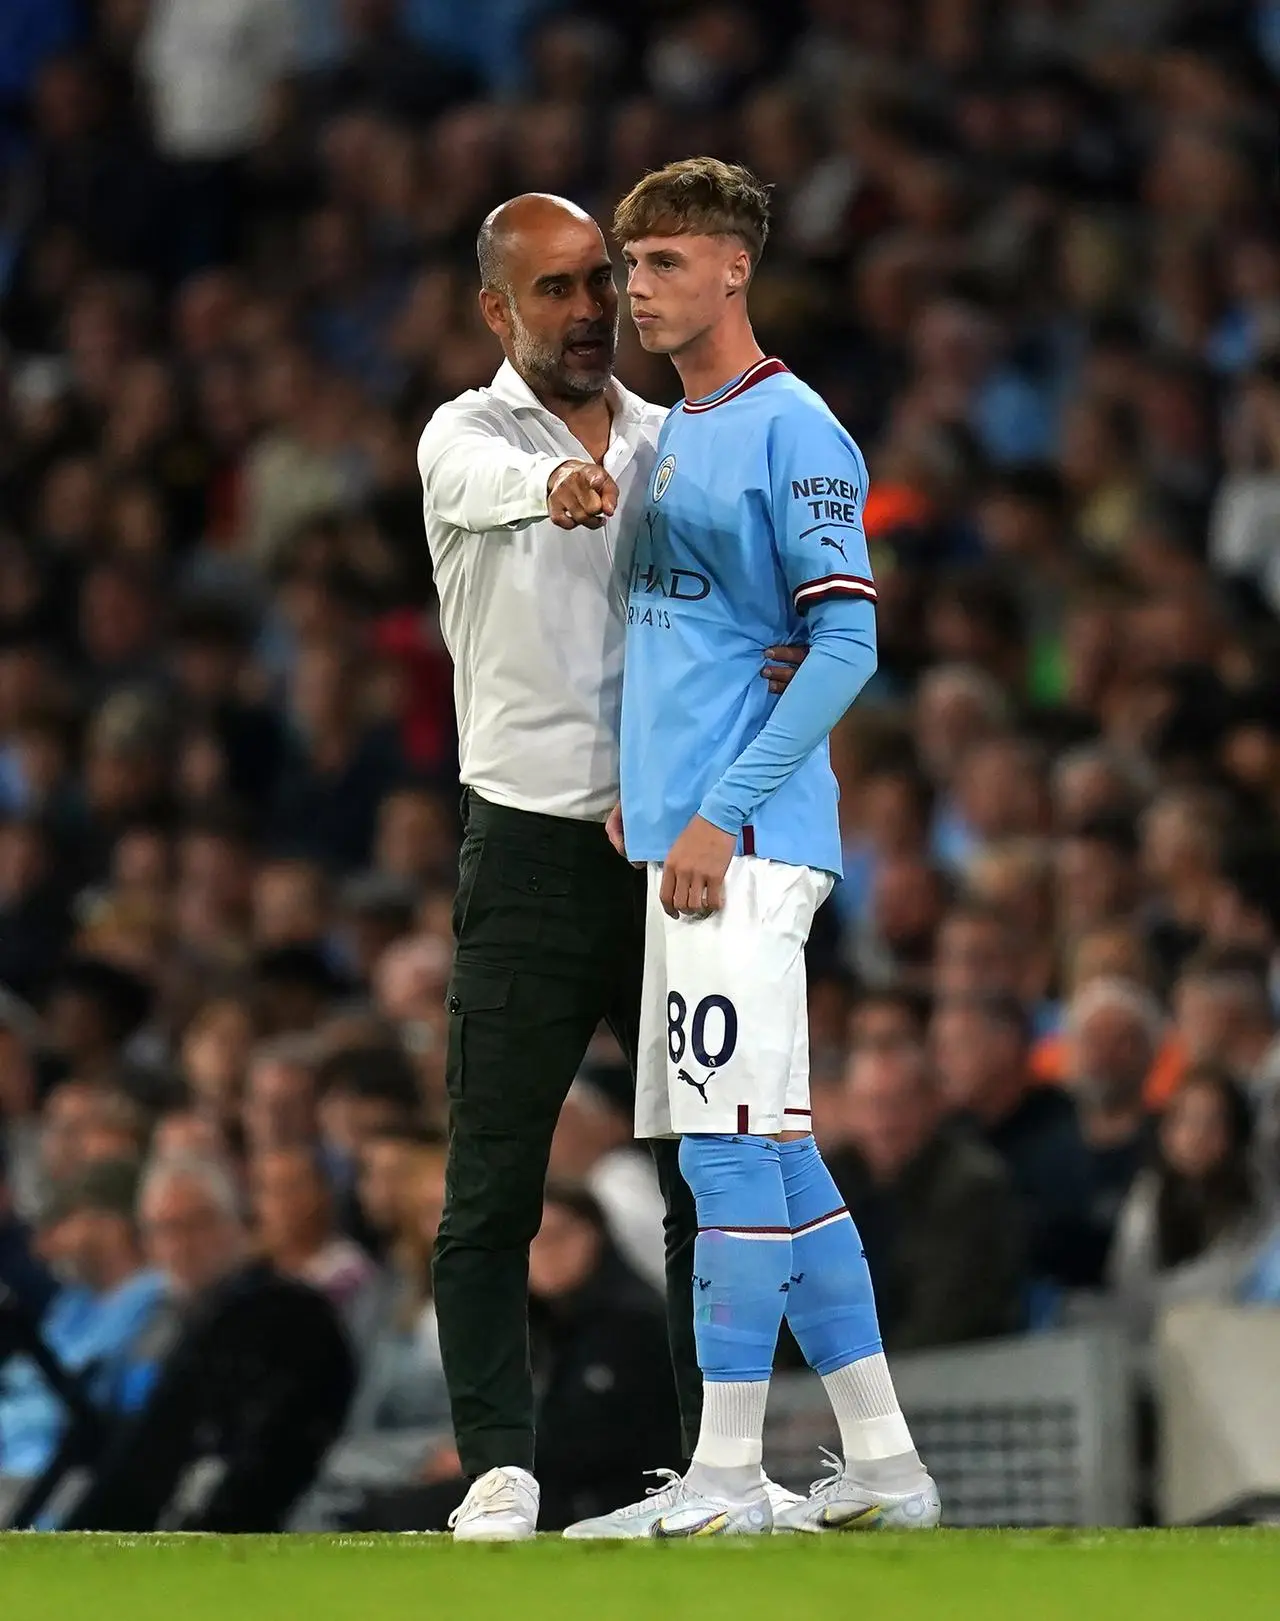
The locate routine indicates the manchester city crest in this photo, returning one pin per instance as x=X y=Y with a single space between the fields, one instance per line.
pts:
x=662 y=477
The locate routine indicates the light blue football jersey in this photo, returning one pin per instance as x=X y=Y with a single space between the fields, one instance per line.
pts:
x=753 y=524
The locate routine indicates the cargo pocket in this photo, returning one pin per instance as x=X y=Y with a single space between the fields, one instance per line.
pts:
x=539 y=904
x=477 y=1059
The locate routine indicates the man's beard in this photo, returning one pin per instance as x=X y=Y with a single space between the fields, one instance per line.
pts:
x=542 y=365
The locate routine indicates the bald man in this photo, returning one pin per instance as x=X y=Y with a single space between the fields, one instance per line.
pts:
x=534 y=488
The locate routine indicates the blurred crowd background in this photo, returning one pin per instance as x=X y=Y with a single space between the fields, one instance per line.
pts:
x=1028 y=251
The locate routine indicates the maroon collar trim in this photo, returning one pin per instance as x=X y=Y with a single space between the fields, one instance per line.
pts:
x=768 y=367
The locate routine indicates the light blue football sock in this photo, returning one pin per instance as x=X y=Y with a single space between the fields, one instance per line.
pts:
x=830 y=1303
x=741 y=1267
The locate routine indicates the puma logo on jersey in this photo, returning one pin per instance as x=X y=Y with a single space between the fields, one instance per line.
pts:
x=835 y=545
x=689 y=1080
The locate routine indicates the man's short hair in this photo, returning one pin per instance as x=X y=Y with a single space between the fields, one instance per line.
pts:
x=917 y=1005
x=973 y=909
x=697 y=197
x=380 y=1072
x=1251 y=865
x=489 y=242
x=213 y=1176
x=1114 y=992
x=1235 y=969
x=122 y=998
x=109 y=1187
x=1113 y=829
x=998 y=1008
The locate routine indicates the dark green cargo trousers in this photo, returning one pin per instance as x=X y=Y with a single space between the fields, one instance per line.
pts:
x=550 y=928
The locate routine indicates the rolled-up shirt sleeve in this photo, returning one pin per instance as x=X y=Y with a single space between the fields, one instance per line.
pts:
x=475 y=479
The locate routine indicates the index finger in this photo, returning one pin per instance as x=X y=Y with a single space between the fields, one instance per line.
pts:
x=786 y=655
x=609 y=496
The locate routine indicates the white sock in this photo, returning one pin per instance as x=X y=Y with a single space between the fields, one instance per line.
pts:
x=872 y=1427
x=732 y=1432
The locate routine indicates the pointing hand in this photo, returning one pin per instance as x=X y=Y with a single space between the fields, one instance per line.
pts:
x=581 y=493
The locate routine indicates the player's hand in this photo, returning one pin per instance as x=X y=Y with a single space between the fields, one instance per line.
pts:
x=617 y=838
x=693 y=873
x=781 y=664
x=580 y=493
x=613 y=827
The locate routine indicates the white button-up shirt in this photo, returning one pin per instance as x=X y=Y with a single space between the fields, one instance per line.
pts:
x=534 y=616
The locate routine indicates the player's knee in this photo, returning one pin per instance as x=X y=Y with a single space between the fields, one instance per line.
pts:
x=730 y=1176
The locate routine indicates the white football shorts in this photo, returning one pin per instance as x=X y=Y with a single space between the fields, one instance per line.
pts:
x=724 y=1026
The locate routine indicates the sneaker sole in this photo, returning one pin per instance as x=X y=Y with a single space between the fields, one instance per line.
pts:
x=918 y=1514
x=492 y=1536
x=570 y=1535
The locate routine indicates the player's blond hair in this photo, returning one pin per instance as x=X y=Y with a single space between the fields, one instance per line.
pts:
x=697 y=197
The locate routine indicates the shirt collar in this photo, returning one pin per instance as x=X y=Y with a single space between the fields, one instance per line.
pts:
x=508 y=385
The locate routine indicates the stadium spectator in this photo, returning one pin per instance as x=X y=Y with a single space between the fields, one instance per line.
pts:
x=365 y=1090
x=20 y=1115
x=296 y=1227
x=400 y=1414
x=1222 y=1013
x=280 y=1101
x=94 y=1325
x=935 y=1209
x=21 y=1269
x=1191 y=1223
x=214 y=1055
x=270 y=1432
x=981 y=1050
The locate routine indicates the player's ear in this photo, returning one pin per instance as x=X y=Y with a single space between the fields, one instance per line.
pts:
x=738 y=274
x=495 y=308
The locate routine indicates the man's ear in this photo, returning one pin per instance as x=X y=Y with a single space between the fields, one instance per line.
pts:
x=496 y=312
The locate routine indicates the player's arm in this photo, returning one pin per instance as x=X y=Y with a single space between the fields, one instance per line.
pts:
x=475 y=479
x=818 y=485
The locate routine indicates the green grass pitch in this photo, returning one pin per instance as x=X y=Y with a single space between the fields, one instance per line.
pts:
x=946 y=1576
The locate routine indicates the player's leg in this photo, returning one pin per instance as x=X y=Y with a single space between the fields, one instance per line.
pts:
x=741 y=1267
x=737 y=1001
x=695 y=1077
x=681 y=1222
x=831 y=1310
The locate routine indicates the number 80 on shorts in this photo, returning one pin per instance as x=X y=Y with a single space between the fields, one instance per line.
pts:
x=723 y=1030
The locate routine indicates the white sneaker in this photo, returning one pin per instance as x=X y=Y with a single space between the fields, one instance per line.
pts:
x=502 y=1506
x=637 y=1519
x=839 y=1503
x=634 y=1519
